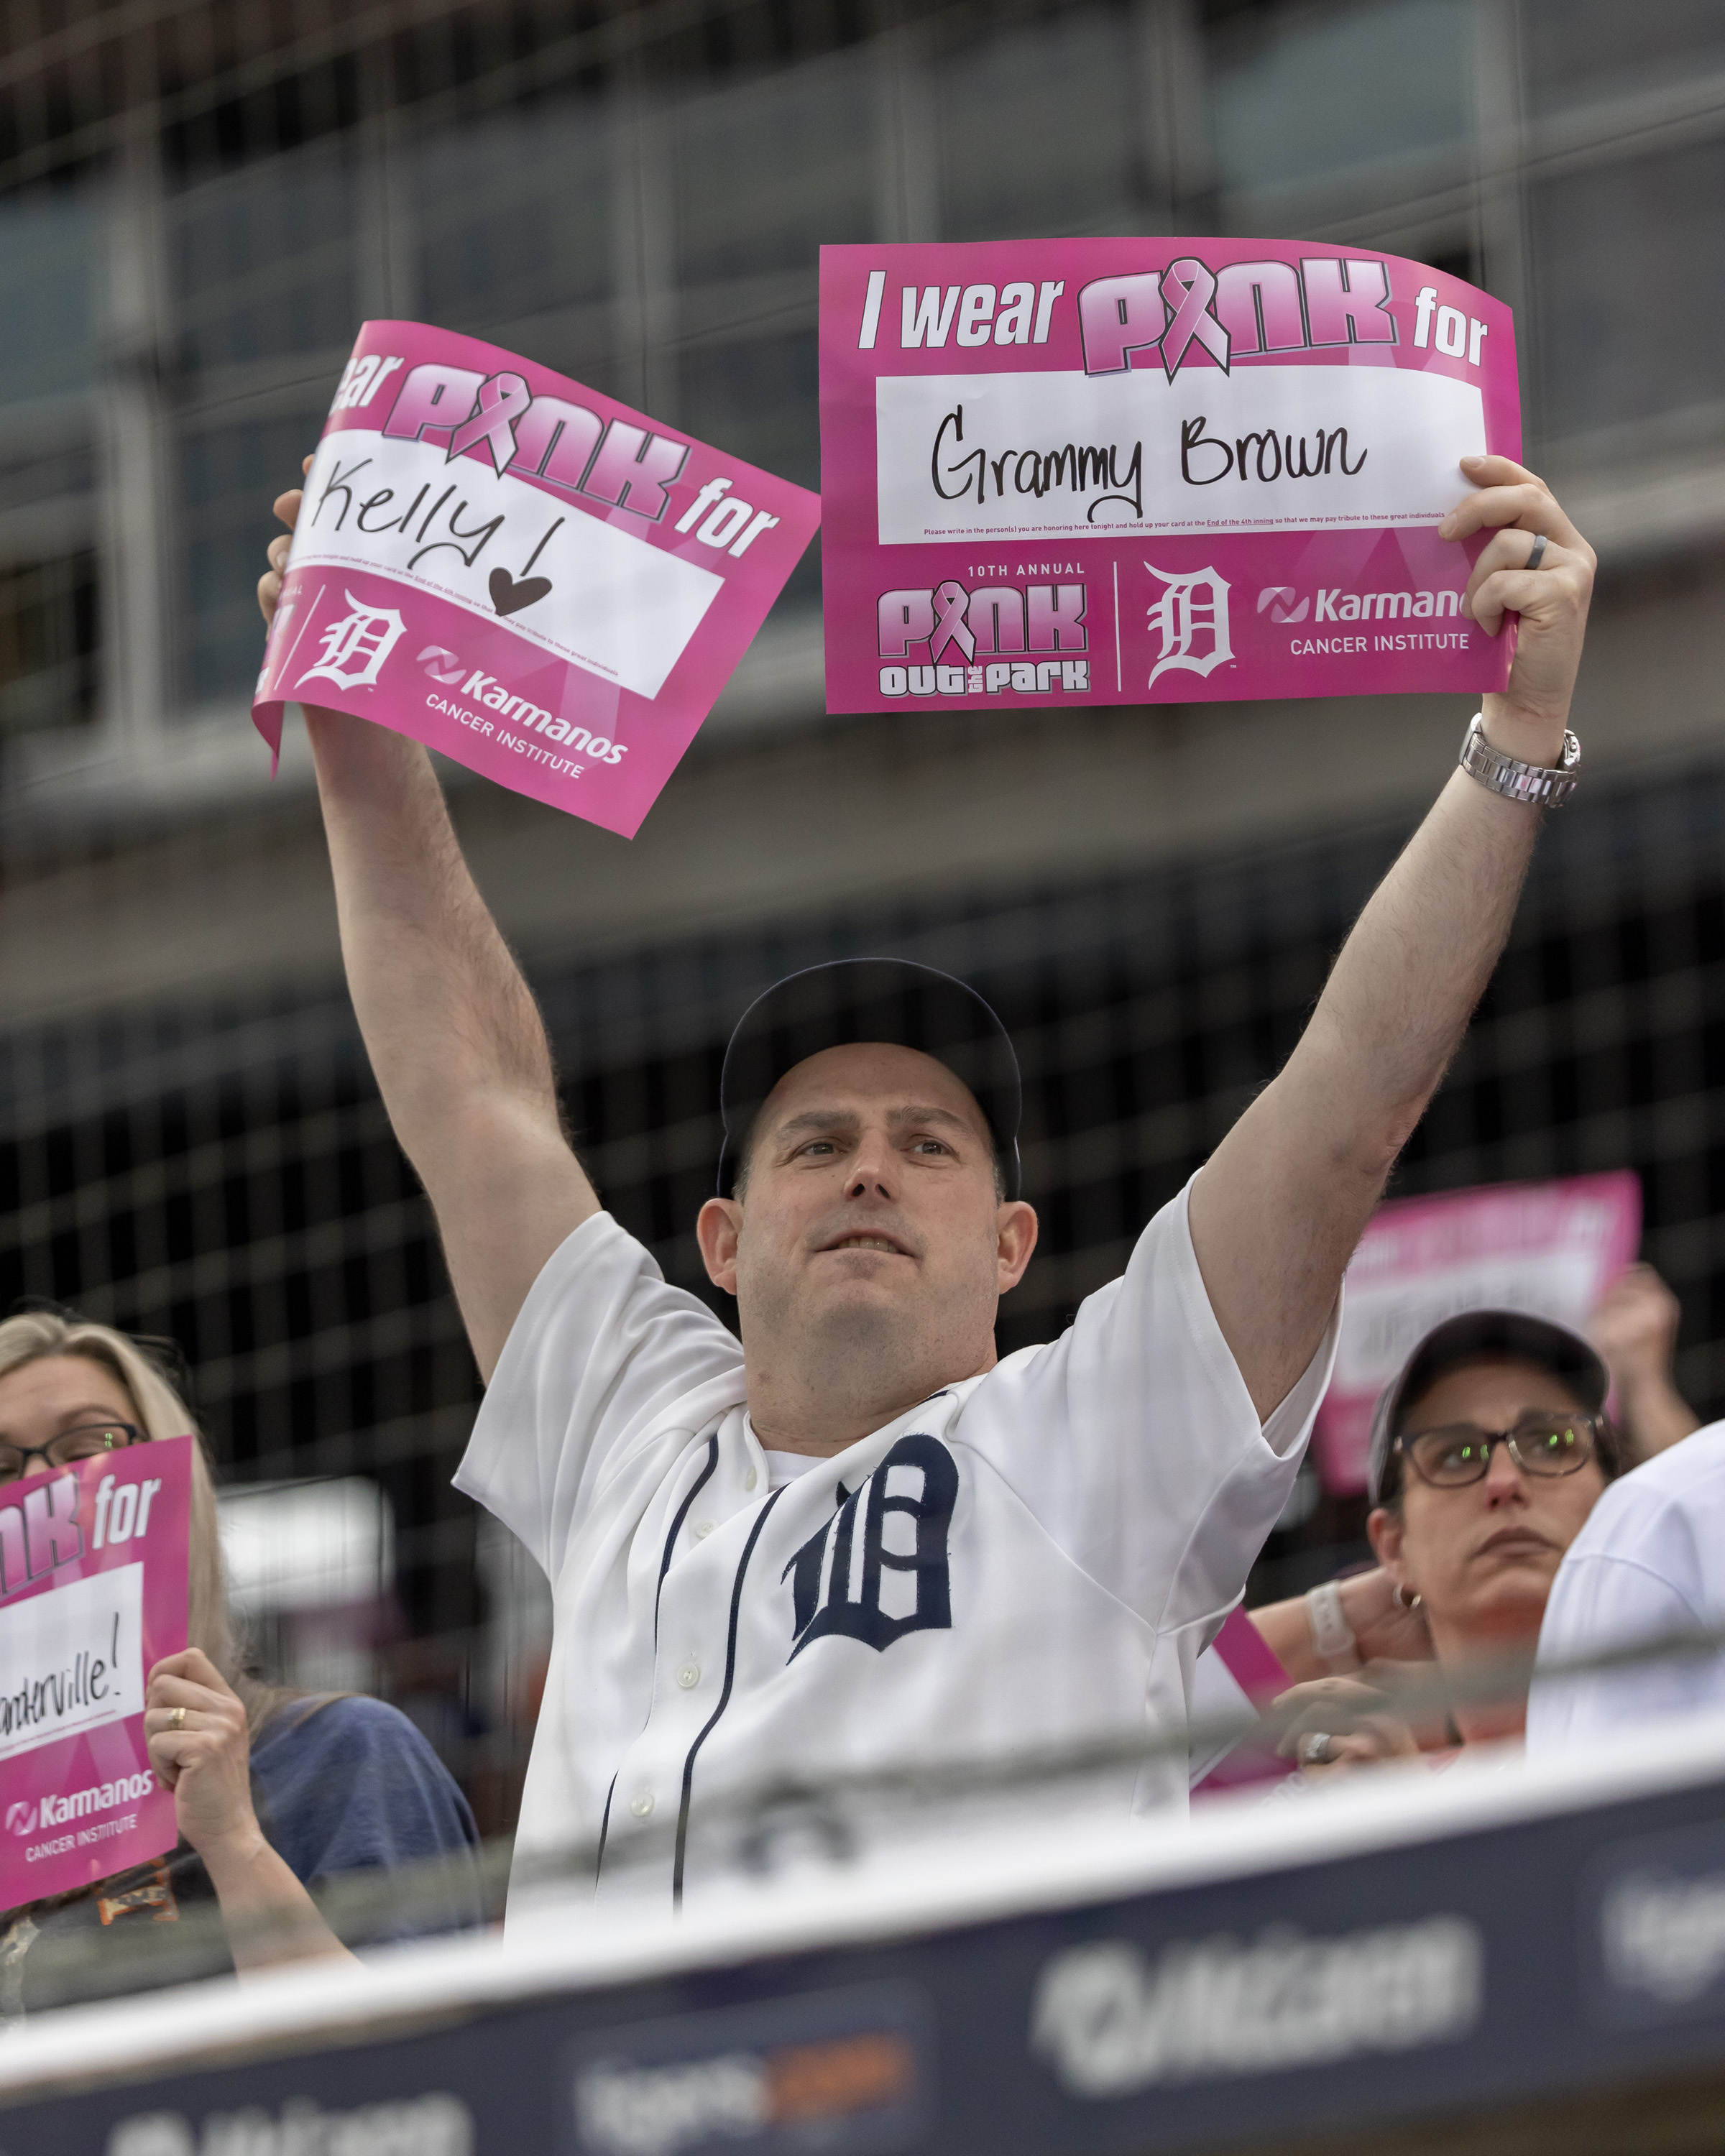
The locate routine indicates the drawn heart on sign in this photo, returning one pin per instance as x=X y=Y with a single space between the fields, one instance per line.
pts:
x=509 y=597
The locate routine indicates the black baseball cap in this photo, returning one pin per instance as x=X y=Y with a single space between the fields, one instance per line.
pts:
x=858 y=999
x=1472 y=1335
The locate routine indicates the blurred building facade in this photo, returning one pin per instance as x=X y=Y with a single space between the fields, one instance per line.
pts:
x=200 y=202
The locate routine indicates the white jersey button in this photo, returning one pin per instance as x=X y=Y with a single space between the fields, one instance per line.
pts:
x=689 y=1675
x=641 y=1803
x=703 y=1528
x=749 y=1480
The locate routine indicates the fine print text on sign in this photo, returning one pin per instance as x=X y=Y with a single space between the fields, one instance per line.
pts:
x=93 y=1568
x=1163 y=470
x=1552 y=1248
x=530 y=577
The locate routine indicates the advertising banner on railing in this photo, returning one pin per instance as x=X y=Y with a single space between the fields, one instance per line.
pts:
x=544 y=585
x=1293 y=1969
x=1550 y=1248
x=1151 y=470
x=93 y=1570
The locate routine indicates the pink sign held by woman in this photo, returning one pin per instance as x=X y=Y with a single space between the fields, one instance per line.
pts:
x=1140 y=470
x=1549 y=1248
x=522 y=573
x=93 y=1572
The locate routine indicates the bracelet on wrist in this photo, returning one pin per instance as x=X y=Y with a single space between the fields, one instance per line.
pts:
x=1515 y=781
x=1332 y=1634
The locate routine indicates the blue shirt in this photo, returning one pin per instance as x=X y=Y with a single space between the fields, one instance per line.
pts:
x=354 y=1787
x=343 y=1788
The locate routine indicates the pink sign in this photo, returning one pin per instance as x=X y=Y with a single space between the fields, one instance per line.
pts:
x=93 y=1565
x=1116 y=471
x=522 y=573
x=1550 y=1248
x=1238 y=1671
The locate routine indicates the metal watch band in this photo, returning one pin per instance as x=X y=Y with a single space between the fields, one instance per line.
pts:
x=1332 y=1634
x=1513 y=779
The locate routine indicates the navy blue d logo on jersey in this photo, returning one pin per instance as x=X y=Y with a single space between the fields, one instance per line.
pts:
x=873 y=1593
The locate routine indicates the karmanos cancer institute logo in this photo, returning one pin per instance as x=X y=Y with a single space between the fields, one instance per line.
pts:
x=21 y=1819
x=1277 y=600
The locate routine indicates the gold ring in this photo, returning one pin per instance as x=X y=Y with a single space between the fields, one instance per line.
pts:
x=176 y=1720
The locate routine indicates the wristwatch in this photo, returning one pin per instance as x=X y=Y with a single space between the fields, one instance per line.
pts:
x=1513 y=779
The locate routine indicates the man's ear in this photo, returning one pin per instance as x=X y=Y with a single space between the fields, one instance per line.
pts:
x=1015 y=1231
x=717 y=1228
x=1387 y=1534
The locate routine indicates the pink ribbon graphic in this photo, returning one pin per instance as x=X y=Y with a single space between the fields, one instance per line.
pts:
x=503 y=398
x=949 y=625
x=1187 y=287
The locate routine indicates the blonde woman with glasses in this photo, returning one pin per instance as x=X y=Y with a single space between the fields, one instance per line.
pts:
x=275 y=1792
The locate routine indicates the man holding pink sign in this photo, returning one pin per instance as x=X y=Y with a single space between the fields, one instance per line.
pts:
x=858 y=1544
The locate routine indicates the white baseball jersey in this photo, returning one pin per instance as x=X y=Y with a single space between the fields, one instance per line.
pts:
x=1650 y=1563
x=1030 y=1560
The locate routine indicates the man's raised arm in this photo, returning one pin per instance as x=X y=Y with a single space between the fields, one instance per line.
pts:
x=455 y=1037
x=1278 y=1208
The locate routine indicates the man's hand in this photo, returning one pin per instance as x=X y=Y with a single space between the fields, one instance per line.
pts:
x=454 y=1035
x=1545 y=608
x=285 y=508
x=1277 y=1211
x=1635 y=1328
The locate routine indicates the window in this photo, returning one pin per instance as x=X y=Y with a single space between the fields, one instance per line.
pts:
x=1577 y=52
x=1629 y=264
x=1297 y=95
x=48 y=644
x=1038 y=128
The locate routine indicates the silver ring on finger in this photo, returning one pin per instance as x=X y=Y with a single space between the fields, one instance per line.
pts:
x=1314 y=1748
x=1538 y=555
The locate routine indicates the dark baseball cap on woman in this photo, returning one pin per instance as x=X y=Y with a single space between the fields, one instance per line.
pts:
x=1473 y=1336
x=867 y=1000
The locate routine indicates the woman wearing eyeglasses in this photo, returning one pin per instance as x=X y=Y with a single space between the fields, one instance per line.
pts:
x=274 y=1791
x=1488 y=1454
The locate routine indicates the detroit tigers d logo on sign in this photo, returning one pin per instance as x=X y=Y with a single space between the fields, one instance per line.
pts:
x=856 y=1586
